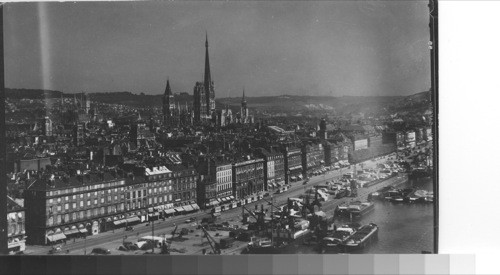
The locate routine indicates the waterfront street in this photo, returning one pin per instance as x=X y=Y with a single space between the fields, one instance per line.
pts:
x=194 y=245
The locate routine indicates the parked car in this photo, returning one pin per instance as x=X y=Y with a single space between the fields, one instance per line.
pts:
x=55 y=250
x=100 y=251
x=129 y=228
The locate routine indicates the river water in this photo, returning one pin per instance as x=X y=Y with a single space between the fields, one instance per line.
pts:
x=403 y=228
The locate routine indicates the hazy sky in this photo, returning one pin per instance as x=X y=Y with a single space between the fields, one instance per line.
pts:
x=270 y=48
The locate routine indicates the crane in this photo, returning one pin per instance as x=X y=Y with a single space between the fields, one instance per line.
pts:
x=259 y=216
x=165 y=248
x=213 y=244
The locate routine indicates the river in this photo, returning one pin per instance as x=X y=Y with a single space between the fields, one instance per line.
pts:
x=403 y=228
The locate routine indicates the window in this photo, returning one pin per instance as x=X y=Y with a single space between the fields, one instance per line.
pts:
x=74 y=205
x=109 y=198
x=116 y=197
x=95 y=201
x=66 y=217
x=102 y=200
x=51 y=201
x=74 y=197
x=81 y=203
x=89 y=213
x=149 y=201
x=81 y=214
x=88 y=202
x=58 y=219
x=81 y=196
x=66 y=198
x=58 y=208
x=66 y=206
x=74 y=215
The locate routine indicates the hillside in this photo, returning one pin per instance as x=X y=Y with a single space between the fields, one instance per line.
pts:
x=282 y=103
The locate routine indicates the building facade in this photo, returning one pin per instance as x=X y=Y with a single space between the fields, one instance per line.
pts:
x=61 y=208
x=313 y=156
x=248 y=178
x=293 y=164
x=16 y=231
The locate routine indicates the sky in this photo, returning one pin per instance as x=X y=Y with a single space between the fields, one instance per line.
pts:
x=267 y=48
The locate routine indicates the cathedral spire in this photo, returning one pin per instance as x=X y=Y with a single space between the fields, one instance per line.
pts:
x=167 y=89
x=207 y=79
x=243 y=99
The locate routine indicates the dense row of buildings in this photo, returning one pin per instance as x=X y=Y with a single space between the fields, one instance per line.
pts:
x=87 y=173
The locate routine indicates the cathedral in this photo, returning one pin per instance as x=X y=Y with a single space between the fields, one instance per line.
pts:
x=204 y=94
x=203 y=108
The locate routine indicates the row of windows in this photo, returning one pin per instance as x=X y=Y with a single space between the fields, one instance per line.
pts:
x=84 y=214
x=223 y=187
x=83 y=203
x=224 y=173
x=224 y=179
x=85 y=188
x=87 y=195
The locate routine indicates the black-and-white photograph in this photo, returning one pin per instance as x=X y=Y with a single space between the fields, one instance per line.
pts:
x=220 y=127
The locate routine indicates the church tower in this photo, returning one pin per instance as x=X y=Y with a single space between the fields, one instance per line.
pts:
x=168 y=105
x=208 y=83
x=244 y=109
x=204 y=95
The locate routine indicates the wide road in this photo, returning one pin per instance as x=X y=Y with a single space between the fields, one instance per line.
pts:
x=110 y=239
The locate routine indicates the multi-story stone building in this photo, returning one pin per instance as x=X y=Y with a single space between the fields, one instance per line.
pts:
x=60 y=207
x=274 y=168
x=224 y=177
x=313 y=156
x=16 y=233
x=248 y=178
x=293 y=164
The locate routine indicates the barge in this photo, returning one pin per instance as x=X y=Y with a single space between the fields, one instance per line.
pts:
x=361 y=238
x=358 y=209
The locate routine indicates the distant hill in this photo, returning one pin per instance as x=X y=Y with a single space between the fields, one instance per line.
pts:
x=31 y=93
x=275 y=103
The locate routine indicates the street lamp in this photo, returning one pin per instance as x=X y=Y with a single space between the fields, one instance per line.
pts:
x=85 y=245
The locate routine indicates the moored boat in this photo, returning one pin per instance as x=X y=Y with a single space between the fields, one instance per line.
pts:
x=361 y=238
x=358 y=209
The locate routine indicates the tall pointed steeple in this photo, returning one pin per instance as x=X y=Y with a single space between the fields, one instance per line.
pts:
x=243 y=100
x=207 y=79
x=168 y=91
x=168 y=103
